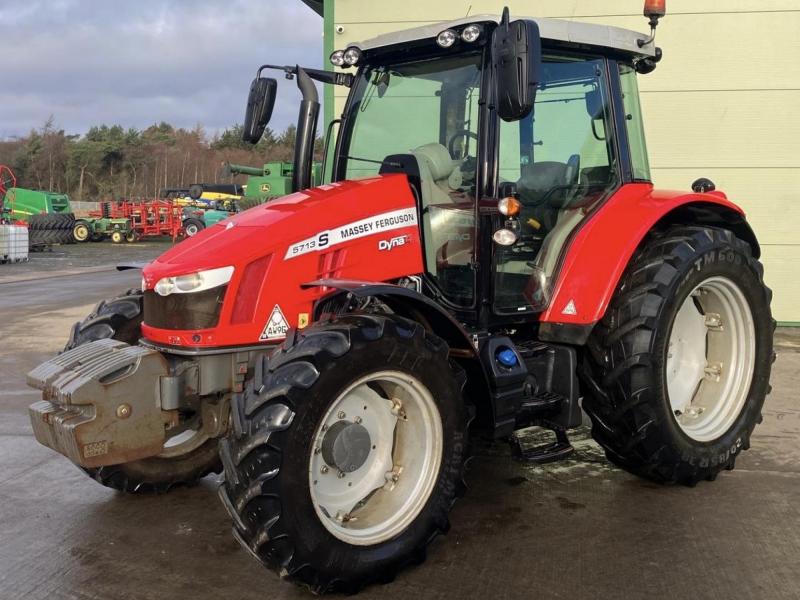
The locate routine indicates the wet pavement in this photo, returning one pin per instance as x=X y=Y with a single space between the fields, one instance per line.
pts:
x=576 y=529
x=69 y=259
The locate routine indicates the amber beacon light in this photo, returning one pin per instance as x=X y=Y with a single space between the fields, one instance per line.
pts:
x=653 y=10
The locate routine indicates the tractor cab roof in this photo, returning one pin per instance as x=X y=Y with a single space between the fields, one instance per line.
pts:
x=558 y=30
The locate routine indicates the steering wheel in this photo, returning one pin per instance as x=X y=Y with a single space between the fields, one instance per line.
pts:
x=573 y=169
x=465 y=133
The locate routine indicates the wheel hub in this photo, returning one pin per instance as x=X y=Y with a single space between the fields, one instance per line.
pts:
x=375 y=457
x=710 y=359
x=346 y=446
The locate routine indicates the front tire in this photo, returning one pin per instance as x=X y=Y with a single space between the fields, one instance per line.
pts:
x=323 y=382
x=679 y=367
x=121 y=319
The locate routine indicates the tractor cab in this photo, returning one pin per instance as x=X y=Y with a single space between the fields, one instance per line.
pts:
x=510 y=132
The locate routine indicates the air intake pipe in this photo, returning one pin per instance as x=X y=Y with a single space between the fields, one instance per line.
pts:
x=306 y=131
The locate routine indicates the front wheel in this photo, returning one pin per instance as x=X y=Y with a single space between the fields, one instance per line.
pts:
x=117 y=237
x=680 y=364
x=193 y=226
x=189 y=454
x=346 y=452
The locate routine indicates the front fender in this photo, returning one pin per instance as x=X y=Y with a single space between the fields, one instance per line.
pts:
x=408 y=303
x=601 y=249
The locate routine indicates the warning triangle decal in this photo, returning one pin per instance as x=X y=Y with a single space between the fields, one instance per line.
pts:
x=277 y=326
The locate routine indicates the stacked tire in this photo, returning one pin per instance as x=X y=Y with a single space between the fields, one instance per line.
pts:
x=50 y=228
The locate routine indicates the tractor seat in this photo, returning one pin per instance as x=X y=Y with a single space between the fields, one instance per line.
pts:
x=538 y=179
x=435 y=168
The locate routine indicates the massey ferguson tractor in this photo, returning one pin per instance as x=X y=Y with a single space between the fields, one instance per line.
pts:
x=490 y=254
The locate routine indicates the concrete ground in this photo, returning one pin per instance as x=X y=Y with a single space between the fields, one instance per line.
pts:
x=576 y=529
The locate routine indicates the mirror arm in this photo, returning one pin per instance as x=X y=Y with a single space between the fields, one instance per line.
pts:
x=332 y=77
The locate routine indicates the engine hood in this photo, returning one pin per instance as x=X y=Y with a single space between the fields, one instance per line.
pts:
x=363 y=229
x=241 y=238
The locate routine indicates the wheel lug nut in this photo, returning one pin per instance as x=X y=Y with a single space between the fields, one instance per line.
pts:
x=324 y=469
x=357 y=420
x=341 y=474
x=317 y=450
x=341 y=414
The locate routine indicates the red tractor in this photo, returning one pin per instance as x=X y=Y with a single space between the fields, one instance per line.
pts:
x=489 y=255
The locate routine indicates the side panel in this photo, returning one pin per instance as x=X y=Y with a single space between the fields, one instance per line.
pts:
x=600 y=251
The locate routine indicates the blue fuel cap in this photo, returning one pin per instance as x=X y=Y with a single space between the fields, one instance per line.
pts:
x=507 y=357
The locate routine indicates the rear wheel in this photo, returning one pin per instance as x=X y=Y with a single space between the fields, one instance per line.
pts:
x=188 y=455
x=347 y=452
x=193 y=227
x=81 y=232
x=681 y=361
x=51 y=228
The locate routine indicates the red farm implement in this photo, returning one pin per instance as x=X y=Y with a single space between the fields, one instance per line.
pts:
x=147 y=218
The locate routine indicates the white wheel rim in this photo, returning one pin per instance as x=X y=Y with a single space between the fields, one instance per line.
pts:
x=191 y=230
x=380 y=498
x=710 y=359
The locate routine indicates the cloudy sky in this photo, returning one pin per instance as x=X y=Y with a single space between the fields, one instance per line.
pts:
x=136 y=62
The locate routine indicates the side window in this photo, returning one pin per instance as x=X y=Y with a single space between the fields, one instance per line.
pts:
x=634 y=122
x=562 y=160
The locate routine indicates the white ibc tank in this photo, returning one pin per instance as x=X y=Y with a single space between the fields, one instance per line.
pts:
x=13 y=243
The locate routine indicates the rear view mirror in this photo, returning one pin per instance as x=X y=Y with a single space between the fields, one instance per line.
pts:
x=260 y=103
x=516 y=55
x=595 y=106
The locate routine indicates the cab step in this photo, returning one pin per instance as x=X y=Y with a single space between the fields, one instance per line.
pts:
x=543 y=453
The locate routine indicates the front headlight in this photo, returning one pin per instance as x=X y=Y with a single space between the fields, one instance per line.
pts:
x=193 y=282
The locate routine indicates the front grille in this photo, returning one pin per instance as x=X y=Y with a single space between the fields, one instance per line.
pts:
x=198 y=310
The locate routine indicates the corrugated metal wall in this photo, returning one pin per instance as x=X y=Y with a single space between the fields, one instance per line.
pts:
x=724 y=103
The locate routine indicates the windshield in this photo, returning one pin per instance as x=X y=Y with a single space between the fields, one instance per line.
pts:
x=403 y=107
x=427 y=108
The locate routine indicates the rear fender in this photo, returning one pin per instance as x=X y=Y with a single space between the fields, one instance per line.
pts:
x=601 y=249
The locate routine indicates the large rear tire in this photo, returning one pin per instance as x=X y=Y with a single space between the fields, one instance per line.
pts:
x=679 y=367
x=121 y=319
x=81 y=231
x=346 y=453
x=51 y=228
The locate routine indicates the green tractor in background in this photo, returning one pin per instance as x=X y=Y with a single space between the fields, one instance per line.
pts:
x=48 y=215
x=211 y=203
x=272 y=180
